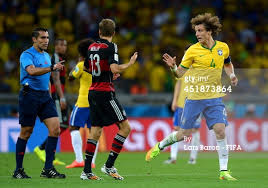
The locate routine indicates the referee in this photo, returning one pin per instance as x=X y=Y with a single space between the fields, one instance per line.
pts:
x=35 y=100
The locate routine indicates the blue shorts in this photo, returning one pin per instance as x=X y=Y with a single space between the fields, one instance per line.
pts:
x=212 y=109
x=80 y=117
x=33 y=103
x=177 y=118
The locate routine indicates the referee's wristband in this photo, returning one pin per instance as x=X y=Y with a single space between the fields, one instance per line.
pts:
x=232 y=75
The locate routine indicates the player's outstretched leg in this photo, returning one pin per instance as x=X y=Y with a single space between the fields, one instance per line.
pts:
x=155 y=151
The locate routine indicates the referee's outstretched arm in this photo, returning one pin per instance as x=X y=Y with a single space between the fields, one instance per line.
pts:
x=36 y=71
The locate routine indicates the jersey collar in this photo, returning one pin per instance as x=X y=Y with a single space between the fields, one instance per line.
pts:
x=211 y=47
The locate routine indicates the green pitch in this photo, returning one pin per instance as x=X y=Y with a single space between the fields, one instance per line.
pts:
x=251 y=170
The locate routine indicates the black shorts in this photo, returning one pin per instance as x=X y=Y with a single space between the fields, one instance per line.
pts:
x=33 y=103
x=105 y=109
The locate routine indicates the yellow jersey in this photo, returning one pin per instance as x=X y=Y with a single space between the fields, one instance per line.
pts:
x=206 y=70
x=85 y=82
x=182 y=93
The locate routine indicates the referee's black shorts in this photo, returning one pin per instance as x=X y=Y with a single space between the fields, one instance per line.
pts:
x=33 y=103
x=105 y=109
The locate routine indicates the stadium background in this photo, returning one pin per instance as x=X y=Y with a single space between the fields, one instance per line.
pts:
x=150 y=27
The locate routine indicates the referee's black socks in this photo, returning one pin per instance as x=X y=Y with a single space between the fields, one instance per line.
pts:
x=20 y=151
x=50 y=151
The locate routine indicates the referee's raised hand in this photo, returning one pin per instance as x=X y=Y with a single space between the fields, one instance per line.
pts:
x=58 y=66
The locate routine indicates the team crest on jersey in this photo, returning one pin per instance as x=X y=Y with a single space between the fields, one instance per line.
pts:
x=76 y=69
x=220 y=52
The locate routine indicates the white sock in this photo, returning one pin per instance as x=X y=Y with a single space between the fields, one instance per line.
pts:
x=223 y=154
x=77 y=145
x=174 y=150
x=195 y=143
x=170 y=139
x=95 y=154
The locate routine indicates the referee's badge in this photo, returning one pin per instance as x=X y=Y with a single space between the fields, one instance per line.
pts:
x=220 y=52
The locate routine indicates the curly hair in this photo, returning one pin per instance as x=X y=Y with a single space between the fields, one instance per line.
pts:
x=83 y=46
x=211 y=23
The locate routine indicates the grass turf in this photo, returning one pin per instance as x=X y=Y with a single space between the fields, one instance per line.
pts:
x=249 y=168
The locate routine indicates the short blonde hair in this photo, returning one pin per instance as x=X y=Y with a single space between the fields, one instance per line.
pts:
x=107 y=27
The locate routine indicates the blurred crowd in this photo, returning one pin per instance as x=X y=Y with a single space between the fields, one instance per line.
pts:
x=150 y=27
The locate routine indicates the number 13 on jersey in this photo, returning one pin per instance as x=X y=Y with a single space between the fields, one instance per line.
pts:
x=95 y=64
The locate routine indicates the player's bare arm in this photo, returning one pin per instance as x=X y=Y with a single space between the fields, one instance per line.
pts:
x=229 y=70
x=115 y=68
x=171 y=62
x=56 y=79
